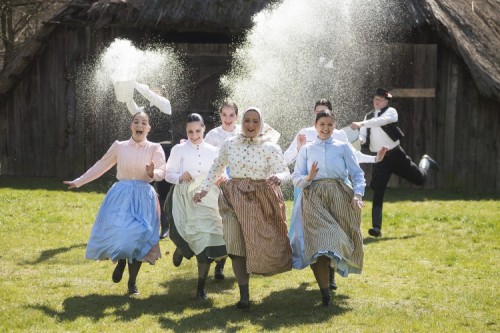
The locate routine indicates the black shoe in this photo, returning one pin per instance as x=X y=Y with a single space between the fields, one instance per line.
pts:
x=219 y=270
x=327 y=302
x=118 y=272
x=164 y=233
x=243 y=305
x=132 y=289
x=432 y=163
x=333 y=285
x=201 y=294
x=177 y=257
x=375 y=232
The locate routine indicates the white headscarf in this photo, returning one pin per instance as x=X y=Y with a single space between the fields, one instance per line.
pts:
x=266 y=133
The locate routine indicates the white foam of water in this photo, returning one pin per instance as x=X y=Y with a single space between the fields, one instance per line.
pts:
x=300 y=51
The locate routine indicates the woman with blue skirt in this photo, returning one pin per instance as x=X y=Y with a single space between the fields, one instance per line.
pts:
x=327 y=218
x=127 y=224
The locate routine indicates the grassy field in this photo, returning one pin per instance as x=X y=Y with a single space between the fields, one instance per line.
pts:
x=435 y=270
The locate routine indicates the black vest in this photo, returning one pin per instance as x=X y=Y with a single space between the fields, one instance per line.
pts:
x=392 y=130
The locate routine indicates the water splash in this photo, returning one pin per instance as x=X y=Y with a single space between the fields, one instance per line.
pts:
x=299 y=51
x=158 y=66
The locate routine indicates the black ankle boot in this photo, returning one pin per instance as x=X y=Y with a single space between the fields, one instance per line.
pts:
x=244 y=302
x=132 y=288
x=331 y=275
x=118 y=272
x=327 y=297
x=200 y=290
x=133 y=270
x=219 y=270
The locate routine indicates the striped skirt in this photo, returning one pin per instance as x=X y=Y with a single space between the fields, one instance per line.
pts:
x=254 y=219
x=325 y=224
x=127 y=224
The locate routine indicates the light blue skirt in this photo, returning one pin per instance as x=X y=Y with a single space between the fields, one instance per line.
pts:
x=126 y=226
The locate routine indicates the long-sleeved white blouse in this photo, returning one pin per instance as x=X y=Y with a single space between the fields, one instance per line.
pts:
x=193 y=158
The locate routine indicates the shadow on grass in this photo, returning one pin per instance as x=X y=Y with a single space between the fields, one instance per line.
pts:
x=48 y=254
x=289 y=307
x=370 y=240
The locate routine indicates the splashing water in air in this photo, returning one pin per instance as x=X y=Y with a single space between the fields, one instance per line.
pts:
x=300 y=51
x=105 y=85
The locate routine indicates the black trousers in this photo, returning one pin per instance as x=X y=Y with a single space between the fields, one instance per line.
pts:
x=395 y=161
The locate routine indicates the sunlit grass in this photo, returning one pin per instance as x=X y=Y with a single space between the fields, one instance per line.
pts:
x=436 y=269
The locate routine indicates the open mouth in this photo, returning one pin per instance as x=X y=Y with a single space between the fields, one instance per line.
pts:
x=139 y=132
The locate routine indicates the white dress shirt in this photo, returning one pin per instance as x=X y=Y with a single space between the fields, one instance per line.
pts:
x=378 y=137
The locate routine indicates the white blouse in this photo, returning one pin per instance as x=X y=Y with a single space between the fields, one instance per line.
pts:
x=193 y=158
x=218 y=135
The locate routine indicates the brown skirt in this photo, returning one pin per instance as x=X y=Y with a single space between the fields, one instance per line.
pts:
x=254 y=224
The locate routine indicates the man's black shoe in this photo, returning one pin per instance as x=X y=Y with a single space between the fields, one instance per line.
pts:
x=375 y=232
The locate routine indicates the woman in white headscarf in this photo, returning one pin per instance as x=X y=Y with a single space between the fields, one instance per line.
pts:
x=252 y=206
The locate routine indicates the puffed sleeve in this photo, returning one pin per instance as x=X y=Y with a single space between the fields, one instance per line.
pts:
x=174 y=166
x=218 y=167
x=159 y=163
x=356 y=173
x=100 y=167
x=300 y=171
x=278 y=166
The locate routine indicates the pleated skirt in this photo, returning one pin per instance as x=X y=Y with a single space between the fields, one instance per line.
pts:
x=127 y=224
x=254 y=219
x=325 y=224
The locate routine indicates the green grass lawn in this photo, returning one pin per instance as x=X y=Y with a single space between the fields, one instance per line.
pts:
x=435 y=270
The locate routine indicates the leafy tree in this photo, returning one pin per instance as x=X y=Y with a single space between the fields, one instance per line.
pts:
x=19 y=20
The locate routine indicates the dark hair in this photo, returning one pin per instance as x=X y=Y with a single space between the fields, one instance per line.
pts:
x=140 y=112
x=323 y=114
x=230 y=104
x=325 y=102
x=192 y=117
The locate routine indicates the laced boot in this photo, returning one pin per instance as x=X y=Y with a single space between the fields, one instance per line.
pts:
x=326 y=297
x=244 y=302
x=331 y=276
x=200 y=290
x=119 y=269
x=219 y=270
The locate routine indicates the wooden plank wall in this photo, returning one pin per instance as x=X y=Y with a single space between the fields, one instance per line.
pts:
x=46 y=131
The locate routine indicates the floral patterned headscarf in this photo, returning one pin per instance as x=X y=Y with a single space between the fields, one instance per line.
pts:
x=266 y=132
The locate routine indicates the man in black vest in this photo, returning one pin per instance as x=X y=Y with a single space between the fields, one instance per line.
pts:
x=380 y=128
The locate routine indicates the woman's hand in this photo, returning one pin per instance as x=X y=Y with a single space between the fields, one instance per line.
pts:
x=185 y=177
x=314 y=171
x=381 y=154
x=301 y=140
x=273 y=180
x=357 y=202
x=221 y=180
x=198 y=196
x=70 y=184
x=150 y=169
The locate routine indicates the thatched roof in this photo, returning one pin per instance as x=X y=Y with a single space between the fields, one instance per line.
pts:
x=213 y=16
x=470 y=27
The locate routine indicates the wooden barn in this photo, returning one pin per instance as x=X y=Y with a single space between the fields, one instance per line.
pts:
x=447 y=80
